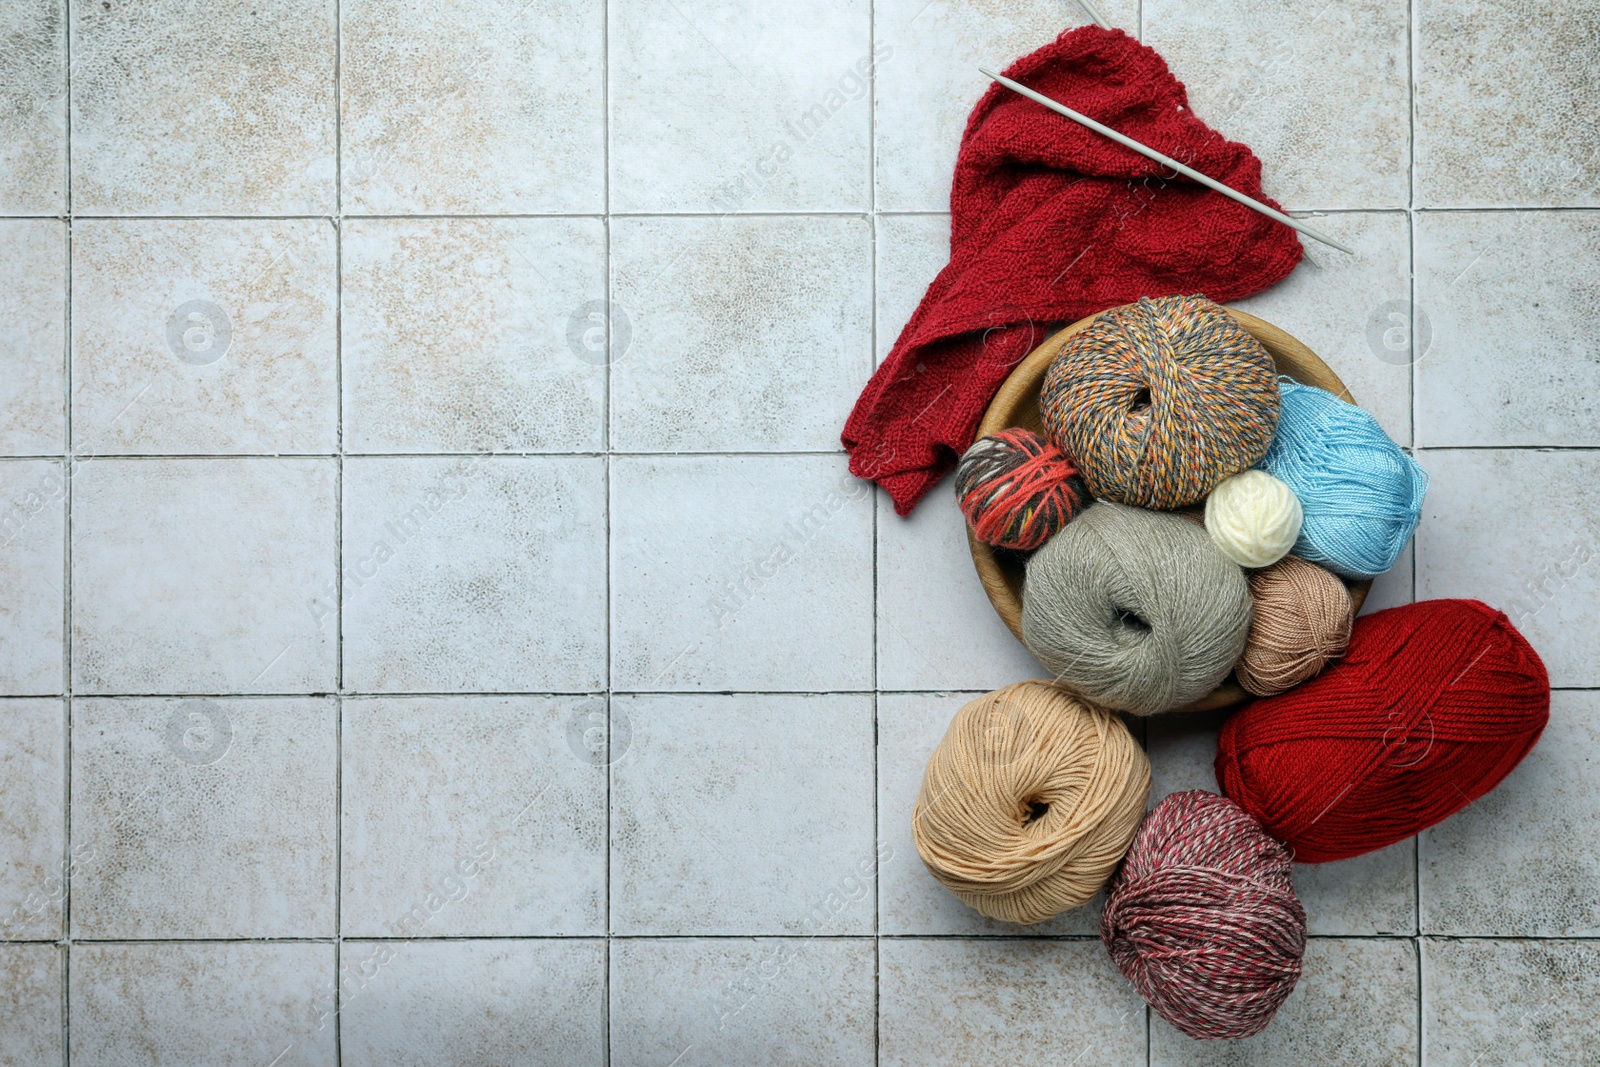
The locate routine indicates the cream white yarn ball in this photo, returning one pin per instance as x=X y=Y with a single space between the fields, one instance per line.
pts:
x=1253 y=518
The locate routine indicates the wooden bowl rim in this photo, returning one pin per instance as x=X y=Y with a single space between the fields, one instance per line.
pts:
x=1293 y=359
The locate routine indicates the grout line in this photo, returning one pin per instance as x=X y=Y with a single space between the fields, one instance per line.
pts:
x=872 y=358
x=606 y=441
x=65 y=954
x=338 y=530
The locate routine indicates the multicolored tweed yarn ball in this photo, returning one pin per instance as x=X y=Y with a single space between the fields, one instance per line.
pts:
x=1159 y=401
x=1203 y=920
x=1017 y=489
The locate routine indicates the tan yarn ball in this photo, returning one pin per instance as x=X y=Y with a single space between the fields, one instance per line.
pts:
x=1303 y=616
x=1030 y=802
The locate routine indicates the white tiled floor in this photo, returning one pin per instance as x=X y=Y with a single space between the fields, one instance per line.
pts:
x=436 y=623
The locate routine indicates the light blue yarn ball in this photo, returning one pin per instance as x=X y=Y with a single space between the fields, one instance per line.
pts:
x=1361 y=495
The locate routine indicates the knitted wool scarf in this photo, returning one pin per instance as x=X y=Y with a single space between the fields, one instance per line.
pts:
x=1050 y=222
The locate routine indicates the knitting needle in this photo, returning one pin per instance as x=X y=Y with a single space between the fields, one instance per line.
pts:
x=1094 y=14
x=1165 y=161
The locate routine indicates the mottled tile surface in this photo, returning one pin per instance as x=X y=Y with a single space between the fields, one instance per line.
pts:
x=204 y=337
x=473 y=816
x=465 y=335
x=1476 y=866
x=33 y=827
x=740 y=106
x=1291 y=81
x=200 y=576
x=479 y=1002
x=33 y=289
x=936 y=628
x=1502 y=95
x=1354 y=1006
x=1506 y=527
x=183 y=108
x=1504 y=1003
x=32 y=575
x=470 y=107
x=1366 y=895
x=31 y=982
x=228 y=1005
x=1354 y=311
x=474 y=574
x=990 y=1001
x=203 y=817
x=743 y=815
x=746 y=334
x=703 y=1002
x=740 y=572
x=33 y=121
x=910 y=901
x=911 y=250
x=1509 y=297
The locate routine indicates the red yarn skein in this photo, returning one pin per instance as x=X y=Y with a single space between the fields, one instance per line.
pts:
x=1017 y=489
x=1433 y=704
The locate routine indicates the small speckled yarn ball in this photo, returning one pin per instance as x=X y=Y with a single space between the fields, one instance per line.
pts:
x=1303 y=616
x=1135 y=609
x=1029 y=802
x=1362 y=496
x=1017 y=489
x=1202 y=917
x=1253 y=518
x=1160 y=400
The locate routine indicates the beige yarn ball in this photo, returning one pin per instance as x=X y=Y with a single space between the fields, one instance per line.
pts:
x=1303 y=616
x=1253 y=518
x=1030 y=802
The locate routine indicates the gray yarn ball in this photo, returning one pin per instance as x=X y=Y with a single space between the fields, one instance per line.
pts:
x=1135 y=610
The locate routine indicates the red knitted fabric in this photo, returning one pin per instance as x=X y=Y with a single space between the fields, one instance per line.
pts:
x=1431 y=707
x=1051 y=222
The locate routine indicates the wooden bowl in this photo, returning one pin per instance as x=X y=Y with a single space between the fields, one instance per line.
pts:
x=1017 y=404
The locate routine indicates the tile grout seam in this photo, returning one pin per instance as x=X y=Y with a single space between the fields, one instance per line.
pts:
x=65 y=954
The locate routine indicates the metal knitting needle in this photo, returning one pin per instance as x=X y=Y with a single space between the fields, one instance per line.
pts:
x=1094 y=14
x=1165 y=161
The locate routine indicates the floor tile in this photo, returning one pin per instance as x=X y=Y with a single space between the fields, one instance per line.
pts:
x=33 y=825
x=231 y=351
x=1354 y=1006
x=700 y=1003
x=1510 y=529
x=472 y=816
x=472 y=107
x=204 y=817
x=743 y=815
x=1523 y=860
x=32 y=984
x=1509 y=1003
x=182 y=108
x=1510 y=298
x=1353 y=311
x=33 y=123
x=32 y=575
x=1370 y=894
x=741 y=572
x=1292 y=82
x=33 y=288
x=739 y=106
x=989 y=1001
x=224 y=1005
x=928 y=81
x=464 y=335
x=910 y=901
x=936 y=628
x=911 y=250
x=1502 y=103
x=201 y=575
x=478 y=1002
x=474 y=574
x=729 y=358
